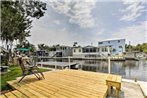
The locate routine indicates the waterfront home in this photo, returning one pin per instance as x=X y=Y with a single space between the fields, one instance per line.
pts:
x=117 y=45
x=60 y=51
x=41 y=53
x=91 y=51
x=64 y=51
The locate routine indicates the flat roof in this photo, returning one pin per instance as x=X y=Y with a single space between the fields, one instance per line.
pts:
x=111 y=39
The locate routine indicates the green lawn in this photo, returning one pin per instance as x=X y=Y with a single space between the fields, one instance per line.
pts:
x=15 y=71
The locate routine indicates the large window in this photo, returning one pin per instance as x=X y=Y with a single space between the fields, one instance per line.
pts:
x=88 y=50
x=118 y=41
x=120 y=46
x=100 y=42
x=93 y=49
x=104 y=49
x=98 y=49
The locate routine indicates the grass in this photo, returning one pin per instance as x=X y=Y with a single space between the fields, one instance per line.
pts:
x=15 y=71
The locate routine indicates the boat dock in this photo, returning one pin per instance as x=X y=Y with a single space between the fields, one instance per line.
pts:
x=65 y=84
x=84 y=58
x=60 y=65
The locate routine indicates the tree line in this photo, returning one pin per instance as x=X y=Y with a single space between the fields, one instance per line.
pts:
x=139 y=47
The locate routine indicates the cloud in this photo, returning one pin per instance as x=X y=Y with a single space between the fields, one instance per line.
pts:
x=57 y=22
x=78 y=11
x=136 y=33
x=133 y=10
x=41 y=34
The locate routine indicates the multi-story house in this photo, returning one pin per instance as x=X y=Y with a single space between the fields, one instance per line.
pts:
x=117 y=45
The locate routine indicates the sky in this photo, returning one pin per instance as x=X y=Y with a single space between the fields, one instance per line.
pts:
x=89 y=21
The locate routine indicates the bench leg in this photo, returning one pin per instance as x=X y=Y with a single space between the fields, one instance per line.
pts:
x=22 y=78
x=109 y=90
x=117 y=92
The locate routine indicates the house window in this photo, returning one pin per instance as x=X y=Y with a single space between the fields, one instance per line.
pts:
x=106 y=49
x=84 y=50
x=74 y=50
x=103 y=49
x=108 y=41
x=100 y=42
x=98 y=49
x=118 y=41
x=120 y=46
x=79 y=50
x=94 y=49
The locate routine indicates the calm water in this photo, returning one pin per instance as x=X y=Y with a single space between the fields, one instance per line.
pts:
x=127 y=69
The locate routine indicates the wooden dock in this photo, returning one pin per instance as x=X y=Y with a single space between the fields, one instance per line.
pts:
x=62 y=84
x=60 y=65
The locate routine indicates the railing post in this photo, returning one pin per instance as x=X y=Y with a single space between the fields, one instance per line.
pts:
x=41 y=63
x=109 y=65
x=55 y=63
x=69 y=61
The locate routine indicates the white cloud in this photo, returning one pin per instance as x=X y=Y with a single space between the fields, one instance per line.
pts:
x=133 y=10
x=136 y=33
x=56 y=36
x=57 y=22
x=78 y=11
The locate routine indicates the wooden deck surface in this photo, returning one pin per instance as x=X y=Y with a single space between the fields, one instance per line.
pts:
x=62 y=84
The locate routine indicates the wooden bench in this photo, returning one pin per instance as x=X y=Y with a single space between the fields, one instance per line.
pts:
x=114 y=81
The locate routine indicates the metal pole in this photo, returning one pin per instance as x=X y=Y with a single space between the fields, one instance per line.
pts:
x=109 y=65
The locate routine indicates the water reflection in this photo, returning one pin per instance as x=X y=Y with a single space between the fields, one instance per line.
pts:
x=127 y=69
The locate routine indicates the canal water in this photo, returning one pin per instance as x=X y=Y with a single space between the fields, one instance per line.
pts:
x=128 y=69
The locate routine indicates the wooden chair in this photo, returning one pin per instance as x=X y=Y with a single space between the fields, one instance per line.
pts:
x=31 y=69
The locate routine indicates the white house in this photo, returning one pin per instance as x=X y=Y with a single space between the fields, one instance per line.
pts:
x=90 y=51
x=117 y=45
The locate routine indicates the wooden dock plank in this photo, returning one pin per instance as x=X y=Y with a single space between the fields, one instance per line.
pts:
x=10 y=95
x=3 y=96
x=64 y=84
x=19 y=95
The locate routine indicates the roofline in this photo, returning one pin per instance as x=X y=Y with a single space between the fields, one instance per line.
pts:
x=92 y=46
x=112 y=39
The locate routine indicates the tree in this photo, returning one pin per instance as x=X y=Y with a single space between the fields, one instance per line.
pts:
x=16 y=19
x=75 y=43
x=138 y=47
x=28 y=45
x=33 y=8
x=46 y=47
x=14 y=25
